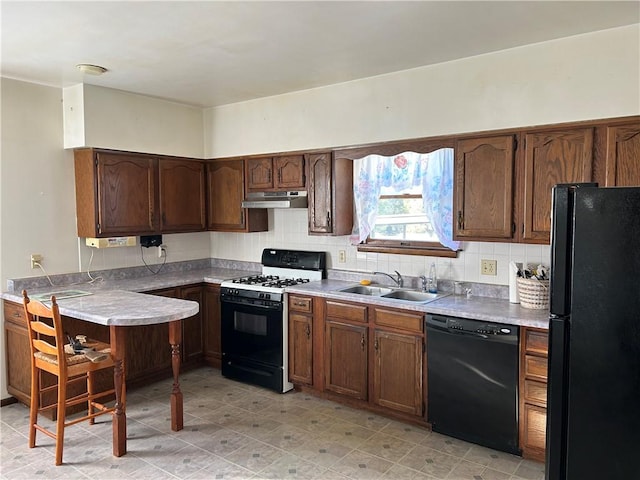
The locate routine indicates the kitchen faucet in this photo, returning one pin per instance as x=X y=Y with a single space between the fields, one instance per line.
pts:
x=424 y=283
x=398 y=281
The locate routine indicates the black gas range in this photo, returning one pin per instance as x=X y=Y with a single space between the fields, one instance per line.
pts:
x=255 y=318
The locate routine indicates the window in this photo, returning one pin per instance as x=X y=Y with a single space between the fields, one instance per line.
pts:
x=404 y=203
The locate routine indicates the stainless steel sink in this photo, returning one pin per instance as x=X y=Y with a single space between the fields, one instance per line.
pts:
x=399 y=294
x=366 y=290
x=413 y=296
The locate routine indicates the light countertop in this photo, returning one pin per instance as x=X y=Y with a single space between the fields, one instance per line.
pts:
x=477 y=308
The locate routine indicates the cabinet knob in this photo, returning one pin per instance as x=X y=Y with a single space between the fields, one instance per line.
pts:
x=308 y=331
x=362 y=342
x=460 y=220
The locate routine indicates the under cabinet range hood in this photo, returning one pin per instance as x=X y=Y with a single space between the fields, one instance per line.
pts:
x=275 y=200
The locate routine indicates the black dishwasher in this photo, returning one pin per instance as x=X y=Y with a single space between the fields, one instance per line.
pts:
x=472 y=381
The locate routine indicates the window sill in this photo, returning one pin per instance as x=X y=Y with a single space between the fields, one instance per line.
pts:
x=426 y=251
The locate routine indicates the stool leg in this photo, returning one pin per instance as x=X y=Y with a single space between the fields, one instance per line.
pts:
x=35 y=405
x=90 y=397
x=62 y=411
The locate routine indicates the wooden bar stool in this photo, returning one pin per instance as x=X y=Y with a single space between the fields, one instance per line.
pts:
x=48 y=353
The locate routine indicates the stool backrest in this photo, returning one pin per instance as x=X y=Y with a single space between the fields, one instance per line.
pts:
x=47 y=338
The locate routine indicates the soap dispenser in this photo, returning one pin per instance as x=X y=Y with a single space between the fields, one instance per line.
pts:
x=433 y=281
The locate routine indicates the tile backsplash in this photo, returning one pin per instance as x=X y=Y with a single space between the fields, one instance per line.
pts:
x=288 y=229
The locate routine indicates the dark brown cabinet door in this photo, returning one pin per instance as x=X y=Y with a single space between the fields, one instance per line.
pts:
x=552 y=158
x=320 y=198
x=623 y=156
x=397 y=371
x=483 y=197
x=259 y=174
x=182 y=195
x=211 y=326
x=300 y=348
x=346 y=359
x=225 y=180
x=147 y=350
x=192 y=332
x=289 y=172
x=126 y=194
x=17 y=352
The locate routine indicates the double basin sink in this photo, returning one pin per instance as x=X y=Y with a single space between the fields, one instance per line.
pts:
x=406 y=295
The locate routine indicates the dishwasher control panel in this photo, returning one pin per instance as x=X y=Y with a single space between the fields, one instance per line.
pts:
x=463 y=325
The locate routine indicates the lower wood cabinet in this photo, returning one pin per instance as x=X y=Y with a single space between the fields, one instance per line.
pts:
x=192 y=327
x=345 y=357
x=371 y=355
x=211 y=325
x=397 y=371
x=17 y=352
x=300 y=340
x=533 y=392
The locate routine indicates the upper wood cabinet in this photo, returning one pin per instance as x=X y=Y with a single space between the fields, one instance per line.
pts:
x=276 y=173
x=125 y=193
x=503 y=193
x=483 y=190
x=116 y=193
x=330 y=190
x=622 y=161
x=564 y=156
x=225 y=185
x=182 y=187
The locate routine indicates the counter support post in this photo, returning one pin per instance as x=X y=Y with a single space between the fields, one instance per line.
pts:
x=117 y=335
x=175 y=339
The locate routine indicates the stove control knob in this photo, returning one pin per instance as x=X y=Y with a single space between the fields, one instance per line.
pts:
x=267 y=296
x=261 y=295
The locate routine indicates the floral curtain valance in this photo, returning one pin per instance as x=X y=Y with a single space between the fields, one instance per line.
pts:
x=433 y=172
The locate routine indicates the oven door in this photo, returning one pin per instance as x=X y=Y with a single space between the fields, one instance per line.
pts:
x=253 y=342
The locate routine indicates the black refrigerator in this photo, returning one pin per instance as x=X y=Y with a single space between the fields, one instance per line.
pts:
x=593 y=397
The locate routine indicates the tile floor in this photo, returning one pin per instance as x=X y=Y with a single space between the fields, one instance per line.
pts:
x=237 y=431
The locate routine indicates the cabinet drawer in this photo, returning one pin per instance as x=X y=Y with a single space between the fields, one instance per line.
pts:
x=535 y=427
x=345 y=311
x=536 y=342
x=405 y=320
x=535 y=392
x=300 y=304
x=14 y=312
x=535 y=367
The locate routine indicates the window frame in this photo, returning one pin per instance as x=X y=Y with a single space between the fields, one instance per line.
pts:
x=390 y=149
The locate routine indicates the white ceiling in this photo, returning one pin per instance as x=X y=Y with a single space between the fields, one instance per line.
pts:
x=210 y=53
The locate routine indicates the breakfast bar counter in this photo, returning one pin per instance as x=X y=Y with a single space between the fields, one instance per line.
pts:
x=120 y=309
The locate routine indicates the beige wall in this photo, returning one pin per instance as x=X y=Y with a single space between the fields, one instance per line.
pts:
x=577 y=78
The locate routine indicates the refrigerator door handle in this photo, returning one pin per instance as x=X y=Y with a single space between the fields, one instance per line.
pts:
x=557 y=411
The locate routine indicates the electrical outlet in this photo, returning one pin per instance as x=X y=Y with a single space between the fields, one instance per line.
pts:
x=342 y=256
x=488 y=267
x=35 y=258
